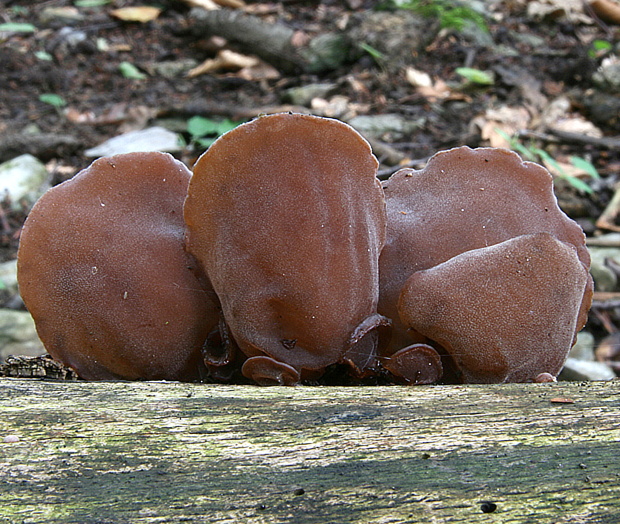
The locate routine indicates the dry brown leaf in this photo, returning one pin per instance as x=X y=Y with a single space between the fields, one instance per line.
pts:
x=418 y=78
x=438 y=91
x=235 y=4
x=76 y=117
x=336 y=107
x=225 y=60
x=577 y=125
x=562 y=400
x=136 y=14
x=500 y=122
x=260 y=71
x=571 y=10
x=209 y=5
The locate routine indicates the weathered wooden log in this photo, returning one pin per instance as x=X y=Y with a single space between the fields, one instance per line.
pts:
x=274 y=43
x=139 y=452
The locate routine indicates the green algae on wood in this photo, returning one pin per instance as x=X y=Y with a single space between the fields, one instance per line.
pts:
x=145 y=452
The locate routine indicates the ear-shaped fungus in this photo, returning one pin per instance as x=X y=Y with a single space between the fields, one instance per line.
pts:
x=102 y=269
x=462 y=200
x=504 y=313
x=287 y=219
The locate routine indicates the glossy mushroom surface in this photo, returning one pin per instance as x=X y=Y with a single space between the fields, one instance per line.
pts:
x=102 y=269
x=287 y=219
x=465 y=199
x=504 y=313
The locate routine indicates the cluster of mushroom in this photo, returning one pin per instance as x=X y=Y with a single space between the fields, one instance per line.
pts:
x=282 y=256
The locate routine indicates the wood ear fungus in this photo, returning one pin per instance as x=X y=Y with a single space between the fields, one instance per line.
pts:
x=278 y=260
x=465 y=199
x=504 y=313
x=287 y=219
x=102 y=269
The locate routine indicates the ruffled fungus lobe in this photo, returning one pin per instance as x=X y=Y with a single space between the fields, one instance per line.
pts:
x=504 y=313
x=102 y=269
x=465 y=199
x=287 y=219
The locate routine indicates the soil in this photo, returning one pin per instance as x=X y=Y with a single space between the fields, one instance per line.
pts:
x=75 y=52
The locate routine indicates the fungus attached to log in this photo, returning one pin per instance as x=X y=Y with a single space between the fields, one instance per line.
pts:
x=287 y=219
x=465 y=199
x=504 y=313
x=102 y=269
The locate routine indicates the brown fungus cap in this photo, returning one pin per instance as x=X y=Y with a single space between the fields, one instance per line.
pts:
x=466 y=199
x=505 y=313
x=287 y=219
x=102 y=269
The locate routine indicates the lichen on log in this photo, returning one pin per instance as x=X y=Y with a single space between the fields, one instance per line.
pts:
x=171 y=452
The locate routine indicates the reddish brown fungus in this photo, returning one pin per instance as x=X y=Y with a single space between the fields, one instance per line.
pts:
x=416 y=364
x=287 y=219
x=465 y=199
x=103 y=271
x=504 y=313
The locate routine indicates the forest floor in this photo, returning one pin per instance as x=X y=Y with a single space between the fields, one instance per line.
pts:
x=535 y=76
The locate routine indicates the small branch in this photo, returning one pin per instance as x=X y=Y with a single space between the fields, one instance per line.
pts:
x=277 y=44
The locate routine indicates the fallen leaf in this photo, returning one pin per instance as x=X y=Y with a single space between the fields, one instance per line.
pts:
x=76 y=117
x=438 y=91
x=499 y=123
x=225 y=60
x=235 y=4
x=562 y=400
x=577 y=125
x=209 y=5
x=336 y=107
x=260 y=71
x=418 y=78
x=571 y=10
x=136 y=14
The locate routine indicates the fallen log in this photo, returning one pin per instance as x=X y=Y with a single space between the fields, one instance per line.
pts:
x=145 y=452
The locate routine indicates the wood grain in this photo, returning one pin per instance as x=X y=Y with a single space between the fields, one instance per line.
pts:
x=138 y=452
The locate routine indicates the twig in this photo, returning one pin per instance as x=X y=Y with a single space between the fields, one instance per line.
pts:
x=577 y=138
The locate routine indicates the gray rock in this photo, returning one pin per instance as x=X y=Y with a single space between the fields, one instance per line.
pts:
x=18 y=335
x=608 y=75
x=605 y=279
x=577 y=370
x=23 y=178
x=388 y=126
x=8 y=276
x=397 y=36
x=303 y=95
x=151 y=139
x=171 y=68
x=583 y=348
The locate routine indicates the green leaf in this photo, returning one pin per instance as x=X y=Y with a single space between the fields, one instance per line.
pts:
x=602 y=45
x=585 y=165
x=199 y=127
x=14 y=27
x=476 y=76
x=206 y=142
x=53 y=100
x=524 y=151
x=128 y=70
x=578 y=184
x=375 y=53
